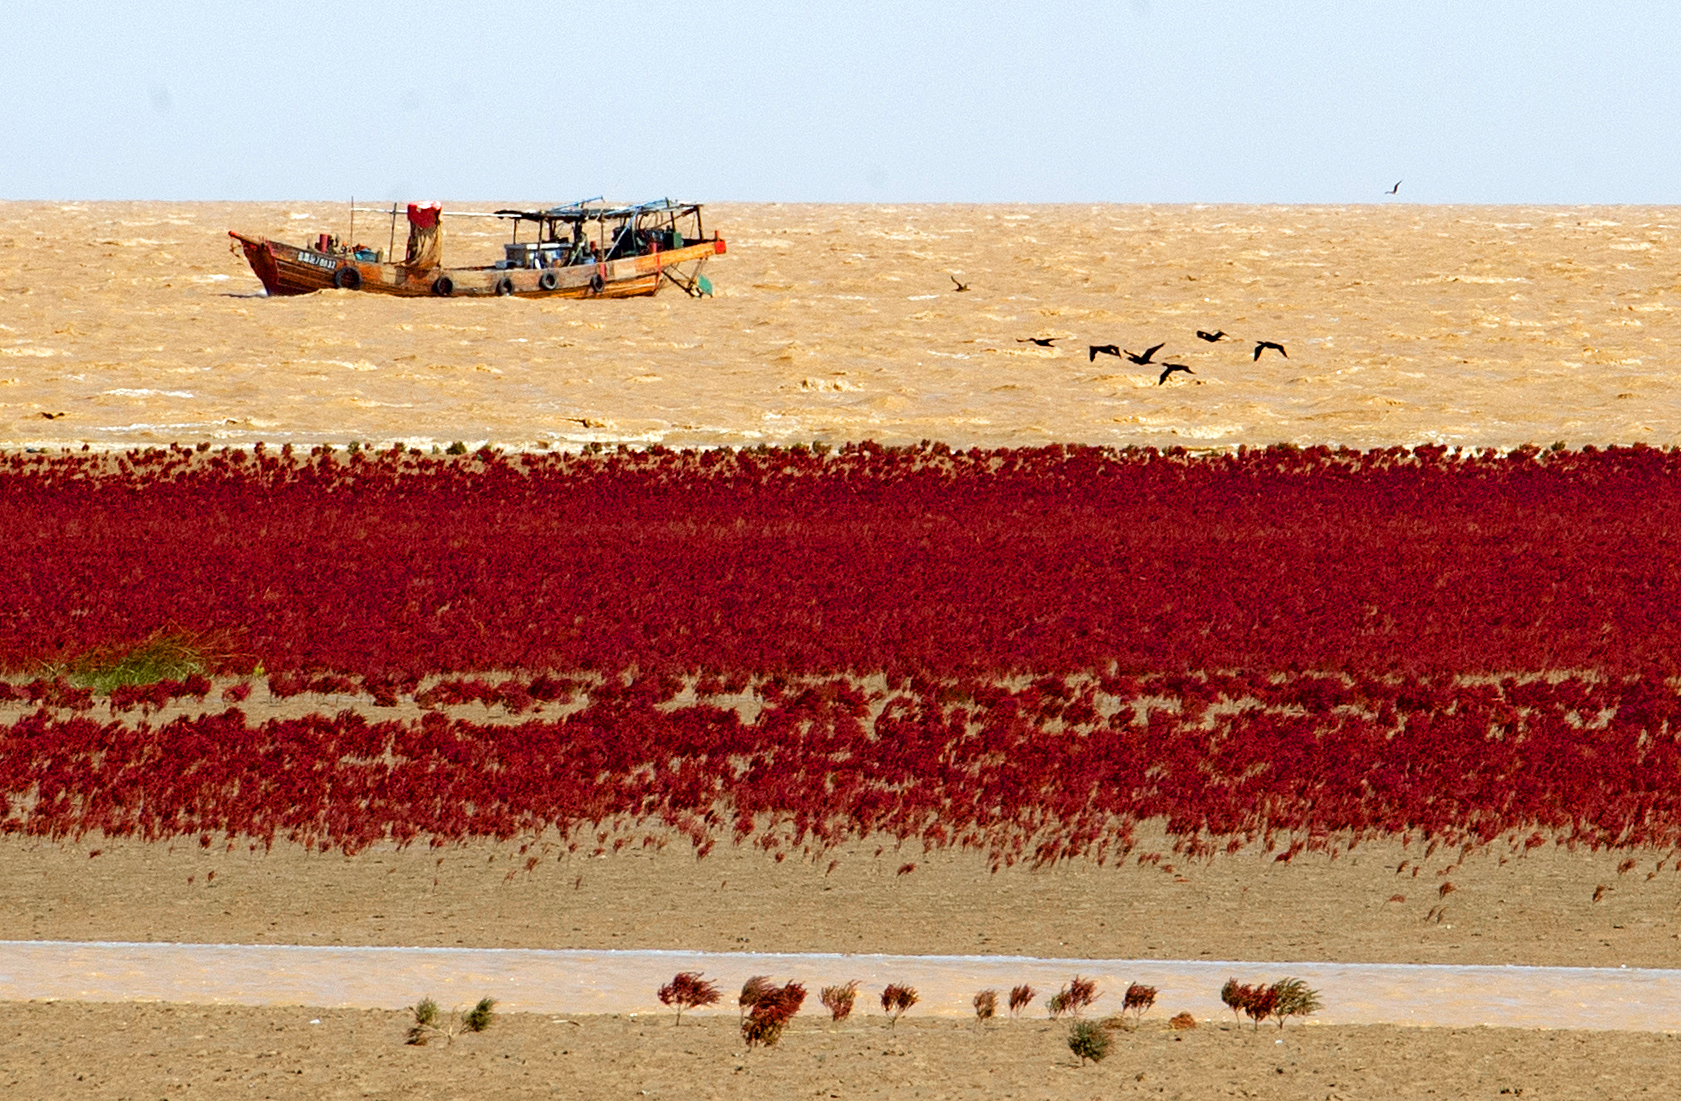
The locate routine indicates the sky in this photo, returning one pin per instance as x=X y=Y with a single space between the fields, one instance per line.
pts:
x=1171 y=101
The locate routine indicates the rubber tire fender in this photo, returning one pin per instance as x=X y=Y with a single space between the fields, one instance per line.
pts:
x=505 y=285
x=597 y=283
x=347 y=278
x=549 y=280
x=443 y=286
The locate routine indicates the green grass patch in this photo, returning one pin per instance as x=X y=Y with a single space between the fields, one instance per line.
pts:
x=161 y=657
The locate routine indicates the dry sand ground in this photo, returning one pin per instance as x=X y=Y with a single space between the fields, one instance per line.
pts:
x=151 y=1051
x=1537 y=909
x=1404 y=324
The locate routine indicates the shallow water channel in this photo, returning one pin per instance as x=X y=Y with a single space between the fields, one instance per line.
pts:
x=575 y=981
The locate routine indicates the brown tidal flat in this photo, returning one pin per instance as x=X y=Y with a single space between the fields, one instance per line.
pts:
x=1538 y=909
x=1404 y=324
x=75 y=1050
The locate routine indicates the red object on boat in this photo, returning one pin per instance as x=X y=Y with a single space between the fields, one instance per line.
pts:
x=425 y=215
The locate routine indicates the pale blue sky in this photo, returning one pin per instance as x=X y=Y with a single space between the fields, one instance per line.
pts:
x=1102 y=100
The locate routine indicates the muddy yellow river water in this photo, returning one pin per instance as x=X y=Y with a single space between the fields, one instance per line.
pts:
x=1403 y=324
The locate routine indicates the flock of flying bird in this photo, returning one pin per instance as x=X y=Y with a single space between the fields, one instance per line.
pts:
x=1146 y=358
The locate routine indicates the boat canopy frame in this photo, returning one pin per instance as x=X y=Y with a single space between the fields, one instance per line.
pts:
x=616 y=240
x=626 y=219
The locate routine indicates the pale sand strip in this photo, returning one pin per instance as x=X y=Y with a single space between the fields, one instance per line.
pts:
x=573 y=981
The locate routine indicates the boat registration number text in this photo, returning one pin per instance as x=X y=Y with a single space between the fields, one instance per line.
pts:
x=318 y=261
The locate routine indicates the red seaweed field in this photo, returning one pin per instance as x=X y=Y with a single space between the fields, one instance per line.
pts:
x=1026 y=652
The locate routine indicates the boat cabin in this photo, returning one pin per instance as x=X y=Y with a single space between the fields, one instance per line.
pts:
x=593 y=232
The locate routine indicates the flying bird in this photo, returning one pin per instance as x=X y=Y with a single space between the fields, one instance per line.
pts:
x=1396 y=189
x=52 y=416
x=1143 y=358
x=1172 y=367
x=960 y=286
x=1042 y=341
x=1217 y=334
x=1263 y=345
x=1106 y=349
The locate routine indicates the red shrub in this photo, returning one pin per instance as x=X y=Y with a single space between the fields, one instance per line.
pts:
x=896 y=1000
x=770 y=1012
x=614 y=582
x=688 y=991
x=838 y=1000
x=731 y=561
x=1139 y=998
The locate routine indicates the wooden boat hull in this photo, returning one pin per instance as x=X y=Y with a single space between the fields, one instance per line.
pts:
x=289 y=269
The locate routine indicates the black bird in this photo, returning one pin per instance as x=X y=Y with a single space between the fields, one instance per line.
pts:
x=1263 y=345
x=1143 y=358
x=52 y=416
x=1042 y=341
x=1172 y=367
x=1217 y=334
x=960 y=286
x=1106 y=349
x=1397 y=188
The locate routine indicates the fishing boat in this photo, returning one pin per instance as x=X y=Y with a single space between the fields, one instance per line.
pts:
x=589 y=249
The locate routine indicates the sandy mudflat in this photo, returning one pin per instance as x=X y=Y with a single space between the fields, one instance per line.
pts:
x=1404 y=324
x=1536 y=910
x=155 y=1051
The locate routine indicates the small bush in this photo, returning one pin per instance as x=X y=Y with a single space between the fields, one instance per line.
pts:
x=1284 y=998
x=1180 y=1021
x=1259 y=1002
x=1020 y=998
x=1088 y=1040
x=1292 y=998
x=771 y=1011
x=986 y=1005
x=752 y=992
x=425 y=1024
x=1072 y=999
x=1232 y=994
x=688 y=991
x=1139 y=998
x=895 y=1000
x=429 y=1022
x=838 y=1000
x=762 y=1027
x=479 y=1017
